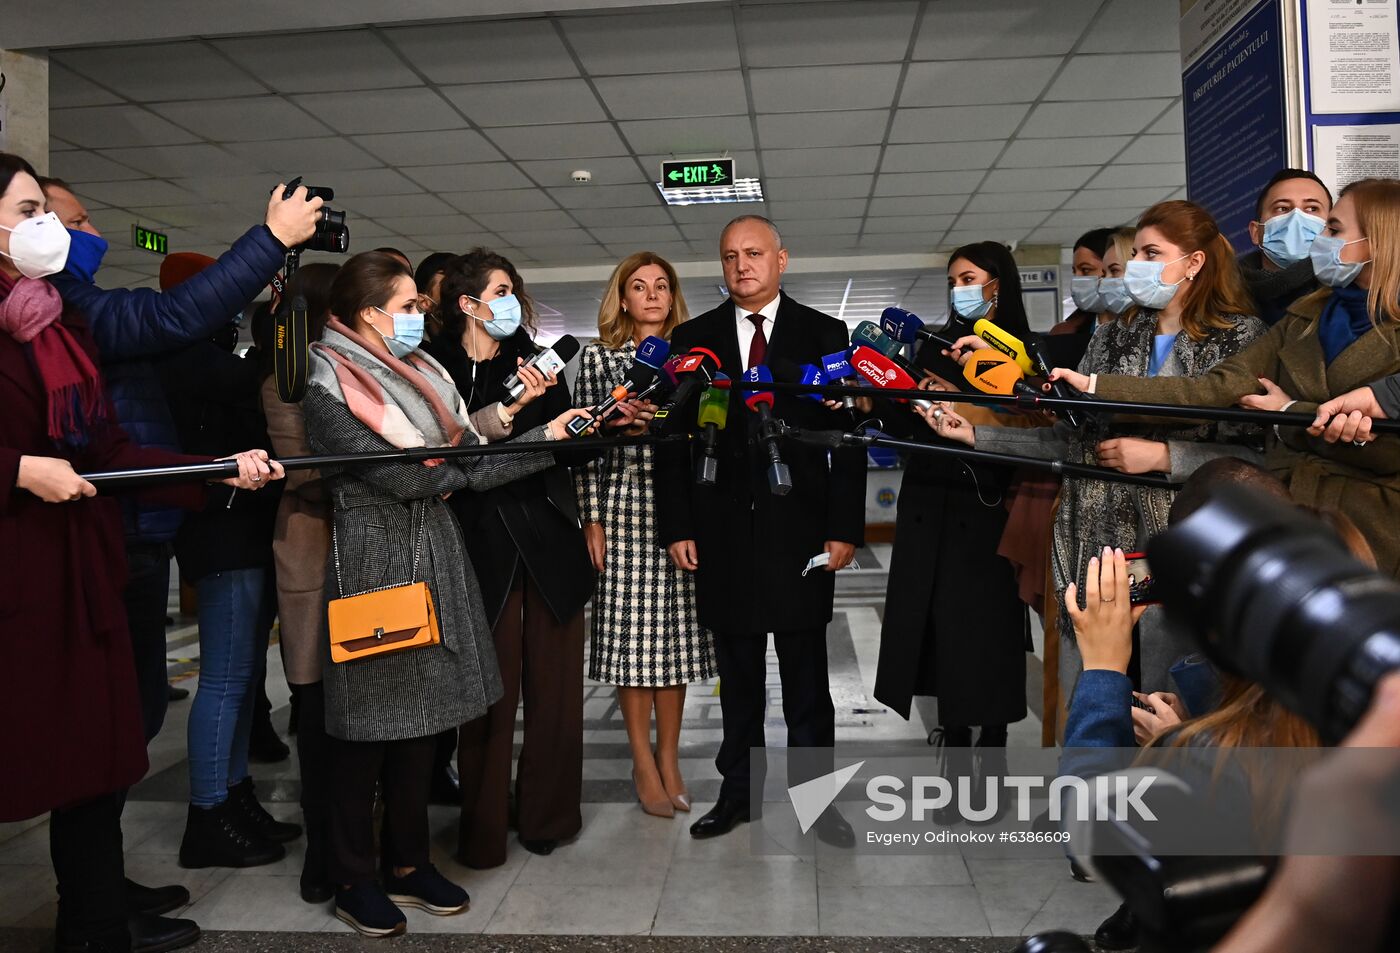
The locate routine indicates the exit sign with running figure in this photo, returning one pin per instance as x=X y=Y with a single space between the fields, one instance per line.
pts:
x=693 y=173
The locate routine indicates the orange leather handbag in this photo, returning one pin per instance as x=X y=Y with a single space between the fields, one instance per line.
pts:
x=387 y=619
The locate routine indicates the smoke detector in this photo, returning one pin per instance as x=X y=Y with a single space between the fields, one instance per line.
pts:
x=581 y=175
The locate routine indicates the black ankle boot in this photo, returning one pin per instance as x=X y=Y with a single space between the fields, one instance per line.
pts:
x=254 y=817
x=315 y=884
x=216 y=837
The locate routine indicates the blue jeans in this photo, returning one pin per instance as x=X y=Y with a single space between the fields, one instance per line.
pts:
x=232 y=661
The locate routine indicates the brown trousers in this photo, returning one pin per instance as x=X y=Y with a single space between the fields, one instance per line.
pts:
x=542 y=660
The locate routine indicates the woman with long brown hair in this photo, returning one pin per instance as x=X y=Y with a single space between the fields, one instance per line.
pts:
x=646 y=637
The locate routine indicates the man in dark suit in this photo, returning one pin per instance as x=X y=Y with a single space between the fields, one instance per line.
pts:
x=747 y=547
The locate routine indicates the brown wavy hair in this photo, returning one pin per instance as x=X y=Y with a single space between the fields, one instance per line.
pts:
x=1217 y=294
x=467 y=275
x=615 y=326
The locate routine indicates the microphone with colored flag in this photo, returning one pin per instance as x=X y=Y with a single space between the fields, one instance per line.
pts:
x=651 y=354
x=548 y=362
x=714 y=413
x=694 y=372
x=790 y=372
x=1028 y=356
x=885 y=374
x=992 y=372
x=761 y=403
x=868 y=334
x=837 y=368
x=906 y=327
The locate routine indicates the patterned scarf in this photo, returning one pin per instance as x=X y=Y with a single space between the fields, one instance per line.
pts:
x=29 y=313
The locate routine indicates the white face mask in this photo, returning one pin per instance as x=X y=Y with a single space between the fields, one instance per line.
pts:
x=38 y=246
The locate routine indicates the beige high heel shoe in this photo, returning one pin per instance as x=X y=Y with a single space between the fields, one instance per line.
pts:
x=679 y=800
x=654 y=808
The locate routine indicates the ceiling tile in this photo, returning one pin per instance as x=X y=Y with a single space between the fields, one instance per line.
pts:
x=653 y=41
x=672 y=251
x=381 y=110
x=552 y=142
x=927 y=183
x=790 y=209
x=605 y=196
x=67 y=88
x=1094 y=218
x=672 y=95
x=966 y=236
x=1166 y=148
x=910 y=242
x=1128 y=75
x=80 y=165
x=525 y=221
x=290 y=155
x=374 y=206
x=526 y=103
x=1056 y=120
x=909 y=224
x=697 y=136
x=136 y=193
x=115 y=126
x=527 y=238
x=243 y=120
x=1168 y=174
x=1032 y=180
x=1037 y=153
x=502 y=200
x=484 y=51
x=964 y=29
x=817 y=187
x=199 y=217
x=157 y=71
x=917 y=205
x=1172 y=122
x=977 y=81
x=606 y=170
x=1118 y=198
x=319 y=62
x=438 y=147
x=936 y=156
x=428 y=224
x=238 y=190
x=808 y=227
x=716 y=215
x=995 y=220
x=842 y=160
x=634 y=235
x=456 y=243
x=1041 y=201
x=170 y=162
x=803 y=130
x=821 y=88
x=957 y=123
x=638 y=215
x=362 y=182
x=864 y=32
x=1134 y=26
x=469 y=177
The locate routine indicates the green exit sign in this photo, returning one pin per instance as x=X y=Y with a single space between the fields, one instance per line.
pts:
x=697 y=173
x=150 y=241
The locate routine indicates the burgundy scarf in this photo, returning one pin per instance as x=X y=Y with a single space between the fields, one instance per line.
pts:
x=30 y=309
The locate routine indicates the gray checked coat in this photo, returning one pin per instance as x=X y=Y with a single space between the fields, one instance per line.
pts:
x=377 y=510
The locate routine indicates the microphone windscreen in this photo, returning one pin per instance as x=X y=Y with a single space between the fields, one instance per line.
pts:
x=652 y=352
x=789 y=372
x=1005 y=342
x=838 y=366
x=566 y=347
x=992 y=372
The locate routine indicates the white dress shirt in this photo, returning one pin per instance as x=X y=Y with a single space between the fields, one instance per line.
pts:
x=746 y=328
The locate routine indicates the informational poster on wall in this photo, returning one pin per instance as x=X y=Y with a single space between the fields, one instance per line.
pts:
x=1354 y=56
x=1040 y=293
x=1233 y=100
x=1343 y=154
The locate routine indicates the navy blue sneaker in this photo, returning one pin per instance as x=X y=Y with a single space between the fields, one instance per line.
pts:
x=366 y=908
x=428 y=890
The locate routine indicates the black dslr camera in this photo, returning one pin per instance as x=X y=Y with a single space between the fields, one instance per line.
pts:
x=332 y=234
x=290 y=344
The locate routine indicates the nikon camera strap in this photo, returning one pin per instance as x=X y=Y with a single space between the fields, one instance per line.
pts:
x=290 y=350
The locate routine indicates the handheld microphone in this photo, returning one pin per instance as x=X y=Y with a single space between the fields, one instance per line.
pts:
x=785 y=370
x=885 y=374
x=868 y=334
x=837 y=368
x=548 y=362
x=906 y=327
x=761 y=403
x=714 y=413
x=1005 y=342
x=651 y=353
x=694 y=372
x=1058 y=388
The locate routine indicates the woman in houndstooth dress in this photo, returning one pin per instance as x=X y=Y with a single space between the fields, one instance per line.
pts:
x=646 y=638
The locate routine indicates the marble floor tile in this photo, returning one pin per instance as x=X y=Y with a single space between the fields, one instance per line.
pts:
x=577 y=908
x=23 y=889
x=1075 y=906
x=765 y=897
x=852 y=869
x=901 y=911
x=1013 y=891
x=250 y=902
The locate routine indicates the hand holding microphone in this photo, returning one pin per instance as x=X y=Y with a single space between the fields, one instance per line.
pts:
x=651 y=354
x=540 y=371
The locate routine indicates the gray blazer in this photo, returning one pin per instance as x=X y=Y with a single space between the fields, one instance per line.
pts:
x=377 y=509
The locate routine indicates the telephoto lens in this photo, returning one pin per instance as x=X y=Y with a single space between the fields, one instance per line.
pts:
x=1275 y=596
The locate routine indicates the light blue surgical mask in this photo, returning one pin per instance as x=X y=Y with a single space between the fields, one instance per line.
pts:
x=1288 y=237
x=1143 y=281
x=1326 y=254
x=1084 y=289
x=968 y=303
x=1116 y=299
x=505 y=316
x=407 y=336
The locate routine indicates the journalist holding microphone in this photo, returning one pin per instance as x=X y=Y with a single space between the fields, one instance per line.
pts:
x=749 y=546
x=372 y=389
x=647 y=639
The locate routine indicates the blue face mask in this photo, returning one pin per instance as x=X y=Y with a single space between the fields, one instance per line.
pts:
x=1143 y=281
x=85 y=252
x=1084 y=289
x=968 y=303
x=1288 y=237
x=1326 y=254
x=408 y=333
x=505 y=316
x=1116 y=299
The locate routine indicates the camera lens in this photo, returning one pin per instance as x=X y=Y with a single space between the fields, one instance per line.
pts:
x=332 y=217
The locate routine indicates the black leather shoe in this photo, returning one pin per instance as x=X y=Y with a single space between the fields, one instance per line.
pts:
x=153 y=934
x=1079 y=873
x=542 y=846
x=721 y=818
x=155 y=900
x=1118 y=932
x=834 y=829
x=215 y=837
x=254 y=817
x=175 y=694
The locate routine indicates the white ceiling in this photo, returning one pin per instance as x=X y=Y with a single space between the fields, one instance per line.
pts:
x=876 y=127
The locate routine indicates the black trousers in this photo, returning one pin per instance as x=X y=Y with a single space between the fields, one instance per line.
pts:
x=743 y=697
x=147 y=595
x=85 y=844
x=406 y=768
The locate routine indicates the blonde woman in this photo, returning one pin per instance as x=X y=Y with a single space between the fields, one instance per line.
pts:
x=646 y=637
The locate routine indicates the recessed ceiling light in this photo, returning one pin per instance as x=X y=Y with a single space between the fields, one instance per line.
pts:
x=743 y=190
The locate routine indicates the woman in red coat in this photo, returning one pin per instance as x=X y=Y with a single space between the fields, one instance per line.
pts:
x=73 y=740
